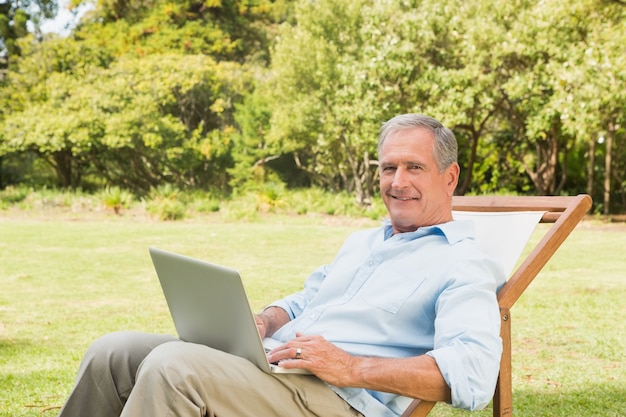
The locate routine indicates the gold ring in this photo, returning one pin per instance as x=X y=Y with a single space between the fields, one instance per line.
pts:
x=298 y=353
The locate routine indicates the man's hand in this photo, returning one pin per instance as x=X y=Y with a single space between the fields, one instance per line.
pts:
x=261 y=324
x=417 y=377
x=270 y=320
x=316 y=354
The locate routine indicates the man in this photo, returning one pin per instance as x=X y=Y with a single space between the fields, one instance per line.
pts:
x=407 y=310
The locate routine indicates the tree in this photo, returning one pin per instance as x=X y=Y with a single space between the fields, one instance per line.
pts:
x=30 y=85
x=499 y=73
x=589 y=90
x=137 y=123
x=128 y=98
x=339 y=73
x=461 y=86
x=227 y=30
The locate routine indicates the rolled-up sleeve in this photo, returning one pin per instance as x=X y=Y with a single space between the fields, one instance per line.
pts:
x=467 y=345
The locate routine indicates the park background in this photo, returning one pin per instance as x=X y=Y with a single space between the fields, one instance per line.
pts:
x=234 y=97
x=253 y=124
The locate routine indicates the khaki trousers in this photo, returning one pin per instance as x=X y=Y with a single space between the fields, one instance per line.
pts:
x=134 y=374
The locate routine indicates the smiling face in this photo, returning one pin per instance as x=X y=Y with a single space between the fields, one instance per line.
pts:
x=413 y=189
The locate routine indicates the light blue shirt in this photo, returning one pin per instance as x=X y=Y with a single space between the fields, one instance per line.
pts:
x=431 y=292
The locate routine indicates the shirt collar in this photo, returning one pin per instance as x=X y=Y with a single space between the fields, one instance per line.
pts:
x=453 y=231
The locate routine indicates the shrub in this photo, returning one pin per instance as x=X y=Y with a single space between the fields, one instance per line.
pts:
x=12 y=195
x=166 y=209
x=116 y=199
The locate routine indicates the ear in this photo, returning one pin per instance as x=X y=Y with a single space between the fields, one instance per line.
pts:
x=451 y=176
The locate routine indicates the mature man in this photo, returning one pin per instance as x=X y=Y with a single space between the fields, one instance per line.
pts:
x=405 y=310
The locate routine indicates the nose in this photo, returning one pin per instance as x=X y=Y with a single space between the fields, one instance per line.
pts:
x=400 y=178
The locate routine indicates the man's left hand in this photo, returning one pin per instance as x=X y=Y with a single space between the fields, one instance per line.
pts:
x=316 y=354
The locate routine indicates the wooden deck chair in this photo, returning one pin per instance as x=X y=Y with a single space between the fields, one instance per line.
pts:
x=564 y=213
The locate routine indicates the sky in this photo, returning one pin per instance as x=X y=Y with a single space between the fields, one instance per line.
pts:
x=64 y=20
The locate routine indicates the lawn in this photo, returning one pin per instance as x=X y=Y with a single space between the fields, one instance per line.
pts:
x=68 y=279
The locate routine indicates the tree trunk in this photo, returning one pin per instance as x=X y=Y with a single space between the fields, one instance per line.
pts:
x=591 y=166
x=607 y=170
x=543 y=174
x=367 y=180
x=2 y=180
x=467 y=179
x=62 y=163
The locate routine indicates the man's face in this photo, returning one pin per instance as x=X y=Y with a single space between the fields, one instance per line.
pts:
x=415 y=193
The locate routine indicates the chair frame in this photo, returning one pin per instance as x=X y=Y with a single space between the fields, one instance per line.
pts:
x=564 y=213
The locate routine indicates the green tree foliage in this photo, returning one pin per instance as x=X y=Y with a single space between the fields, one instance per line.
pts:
x=232 y=30
x=142 y=94
x=215 y=93
x=14 y=16
x=505 y=75
x=591 y=96
x=136 y=123
x=342 y=69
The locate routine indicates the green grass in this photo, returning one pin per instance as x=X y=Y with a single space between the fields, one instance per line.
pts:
x=65 y=280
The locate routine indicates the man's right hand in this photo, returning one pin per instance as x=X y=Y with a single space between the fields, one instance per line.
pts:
x=261 y=325
x=270 y=320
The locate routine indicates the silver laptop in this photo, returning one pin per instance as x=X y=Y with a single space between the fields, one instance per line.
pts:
x=209 y=306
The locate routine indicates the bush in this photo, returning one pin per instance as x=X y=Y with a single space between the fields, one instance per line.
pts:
x=170 y=203
x=166 y=209
x=12 y=195
x=116 y=199
x=206 y=205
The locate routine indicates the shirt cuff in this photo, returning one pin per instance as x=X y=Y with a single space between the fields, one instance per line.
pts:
x=455 y=372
